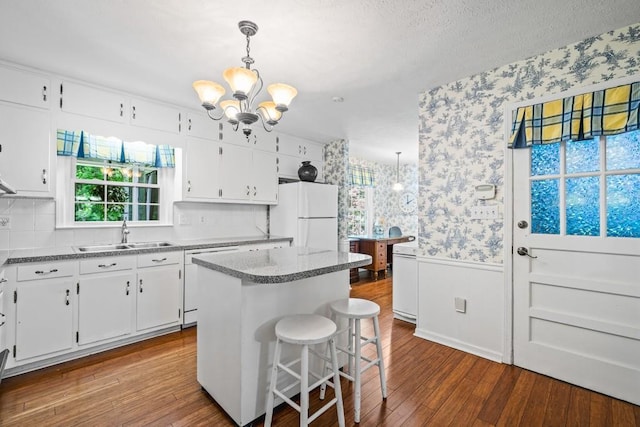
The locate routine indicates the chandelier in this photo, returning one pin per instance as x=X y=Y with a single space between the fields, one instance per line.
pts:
x=246 y=84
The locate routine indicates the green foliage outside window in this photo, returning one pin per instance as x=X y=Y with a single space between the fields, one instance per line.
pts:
x=108 y=192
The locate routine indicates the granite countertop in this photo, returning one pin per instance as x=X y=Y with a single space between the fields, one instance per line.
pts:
x=19 y=256
x=281 y=265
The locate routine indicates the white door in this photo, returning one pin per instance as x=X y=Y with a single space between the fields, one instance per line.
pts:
x=318 y=233
x=576 y=263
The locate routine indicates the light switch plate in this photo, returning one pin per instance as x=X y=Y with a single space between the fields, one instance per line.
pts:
x=461 y=305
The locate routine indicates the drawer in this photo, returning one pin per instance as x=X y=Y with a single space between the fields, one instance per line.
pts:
x=46 y=271
x=159 y=258
x=101 y=265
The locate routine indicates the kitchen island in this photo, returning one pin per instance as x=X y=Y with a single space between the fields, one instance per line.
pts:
x=242 y=296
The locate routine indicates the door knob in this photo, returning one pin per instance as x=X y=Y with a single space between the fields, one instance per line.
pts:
x=522 y=251
x=523 y=224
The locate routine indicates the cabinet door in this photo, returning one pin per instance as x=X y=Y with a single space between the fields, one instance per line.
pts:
x=155 y=116
x=158 y=297
x=262 y=140
x=202 y=167
x=23 y=87
x=89 y=101
x=313 y=151
x=288 y=166
x=265 y=177
x=44 y=317
x=235 y=172
x=25 y=149
x=105 y=302
x=199 y=125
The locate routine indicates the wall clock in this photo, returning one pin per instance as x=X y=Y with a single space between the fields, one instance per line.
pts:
x=408 y=202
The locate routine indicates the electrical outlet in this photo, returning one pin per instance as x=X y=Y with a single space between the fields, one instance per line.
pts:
x=184 y=219
x=203 y=219
x=5 y=222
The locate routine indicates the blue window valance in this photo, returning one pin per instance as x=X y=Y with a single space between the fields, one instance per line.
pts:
x=83 y=145
x=609 y=111
x=362 y=176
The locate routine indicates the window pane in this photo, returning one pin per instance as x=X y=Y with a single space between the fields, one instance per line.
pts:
x=150 y=195
x=120 y=174
x=148 y=212
x=545 y=206
x=148 y=176
x=89 y=192
x=623 y=151
x=545 y=159
x=119 y=194
x=583 y=206
x=623 y=206
x=118 y=212
x=89 y=172
x=89 y=212
x=583 y=156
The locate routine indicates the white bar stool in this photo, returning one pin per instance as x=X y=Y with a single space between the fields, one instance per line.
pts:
x=356 y=309
x=305 y=330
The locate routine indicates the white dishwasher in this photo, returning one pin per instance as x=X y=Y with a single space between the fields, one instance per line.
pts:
x=405 y=281
x=191 y=281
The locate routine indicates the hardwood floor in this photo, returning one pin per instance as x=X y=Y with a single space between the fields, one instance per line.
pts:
x=154 y=383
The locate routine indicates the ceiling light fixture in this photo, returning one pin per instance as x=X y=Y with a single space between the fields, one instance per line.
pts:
x=398 y=186
x=246 y=84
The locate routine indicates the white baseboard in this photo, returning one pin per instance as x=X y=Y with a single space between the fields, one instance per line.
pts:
x=459 y=345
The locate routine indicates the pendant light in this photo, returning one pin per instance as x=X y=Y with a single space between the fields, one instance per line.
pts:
x=245 y=83
x=398 y=186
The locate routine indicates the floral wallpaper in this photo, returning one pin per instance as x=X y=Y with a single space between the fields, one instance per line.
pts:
x=336 y=164
x=386 y=201
x=461 y=136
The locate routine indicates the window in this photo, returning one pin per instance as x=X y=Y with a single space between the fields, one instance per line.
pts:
x=587 y=188
x=105 y=191
x=360 y=214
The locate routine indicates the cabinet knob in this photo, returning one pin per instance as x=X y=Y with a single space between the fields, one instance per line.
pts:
x=44 y=176
x=44 y=93
x=133 y=112
x=67 y=298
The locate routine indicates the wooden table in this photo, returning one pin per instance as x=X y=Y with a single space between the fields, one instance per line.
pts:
x=380 y=249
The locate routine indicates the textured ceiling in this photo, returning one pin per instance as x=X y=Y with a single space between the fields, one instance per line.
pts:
x=377 y=55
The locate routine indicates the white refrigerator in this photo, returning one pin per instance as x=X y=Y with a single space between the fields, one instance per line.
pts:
x=308 y=212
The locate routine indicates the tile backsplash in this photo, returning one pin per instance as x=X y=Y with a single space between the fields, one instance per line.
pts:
x=31 y=224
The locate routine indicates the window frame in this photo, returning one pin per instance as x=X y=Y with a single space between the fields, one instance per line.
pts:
x=66 y=181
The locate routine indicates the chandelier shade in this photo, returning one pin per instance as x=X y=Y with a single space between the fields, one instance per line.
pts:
x=246 y=84
x=208 y=92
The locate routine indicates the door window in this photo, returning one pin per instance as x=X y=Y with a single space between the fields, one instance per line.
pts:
x=587 y=188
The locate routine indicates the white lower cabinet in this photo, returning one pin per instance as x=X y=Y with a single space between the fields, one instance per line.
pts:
x=44 y=317
x=71 y=307
x=158 y=302
x=104 y=306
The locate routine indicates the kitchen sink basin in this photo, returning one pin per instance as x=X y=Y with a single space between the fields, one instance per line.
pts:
x=146 y=245
x=103 y=248
x=123 y=246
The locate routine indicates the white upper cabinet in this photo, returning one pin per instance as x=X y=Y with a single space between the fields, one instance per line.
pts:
x=154 y=115
x=25 y=149
x=259 y=138
x=202 y=170
x=199 y=125
x=292 y=151
x=299 y=147
x=23 y=87
x=93 y=102
x=265 y=177
x=235 y=172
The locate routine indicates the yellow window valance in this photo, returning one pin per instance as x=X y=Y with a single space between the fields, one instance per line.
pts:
x=609 y=111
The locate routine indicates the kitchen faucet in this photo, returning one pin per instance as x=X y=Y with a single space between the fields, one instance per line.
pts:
x=125 y=231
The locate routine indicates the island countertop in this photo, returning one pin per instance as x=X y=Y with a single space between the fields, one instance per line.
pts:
x=282 y=264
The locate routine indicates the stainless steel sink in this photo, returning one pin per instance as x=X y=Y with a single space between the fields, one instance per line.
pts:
x=123 y=246
x=103 y=248
x=146 y=245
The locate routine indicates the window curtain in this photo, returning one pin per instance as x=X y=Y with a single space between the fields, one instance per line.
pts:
x=362 y=176
x=609 y=111
x=81 y=144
